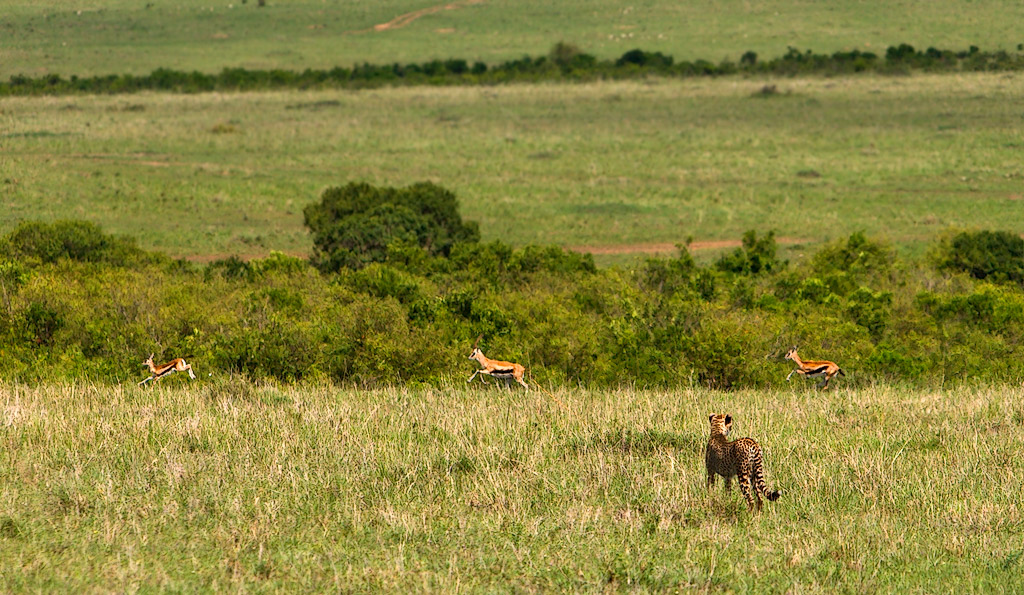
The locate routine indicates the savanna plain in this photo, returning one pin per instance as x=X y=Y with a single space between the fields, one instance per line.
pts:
x=250 y=486
x=125 y=36
x=616 y=168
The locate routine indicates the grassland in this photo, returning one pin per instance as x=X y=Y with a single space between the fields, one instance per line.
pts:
x=126 y=36
x=219 y=486
x=604 y=165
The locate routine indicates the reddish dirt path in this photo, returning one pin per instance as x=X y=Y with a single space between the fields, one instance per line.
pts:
x=664 y=247
x=403 y=20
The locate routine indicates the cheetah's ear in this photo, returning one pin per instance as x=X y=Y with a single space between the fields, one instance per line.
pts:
x=728 y=419
x=711 y=418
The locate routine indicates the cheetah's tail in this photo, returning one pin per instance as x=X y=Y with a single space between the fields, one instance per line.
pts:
x=760 y=486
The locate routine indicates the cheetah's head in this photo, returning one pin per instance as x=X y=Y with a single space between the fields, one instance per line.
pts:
x=720 y=423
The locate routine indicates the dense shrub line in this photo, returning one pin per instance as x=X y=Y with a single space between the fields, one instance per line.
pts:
x=564 y=63
x=77 y=303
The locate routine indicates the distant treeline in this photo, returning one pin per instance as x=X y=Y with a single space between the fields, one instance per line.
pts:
x=76 y=303
x=565 y=62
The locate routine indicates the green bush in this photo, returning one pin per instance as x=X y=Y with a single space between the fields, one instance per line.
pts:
x=988 y=307
x=73 y=240
x=231 y=267
x=755 y=257
x=41 y=323
x=13 y=275
x=638 y=57
x=568 y=57
x=353 y=225
x=382 y=281
x=892 y=363
x=996 y=256
x=856 y=255
x=870 y=309
x=670 y=275
x=814 y=290
x=553 y=259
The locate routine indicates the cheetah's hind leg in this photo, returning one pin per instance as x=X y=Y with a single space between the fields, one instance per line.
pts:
x=745 y=487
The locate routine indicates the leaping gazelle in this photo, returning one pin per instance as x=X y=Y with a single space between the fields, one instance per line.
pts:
x=496 y=368
x=158 y=372
x=812 y=368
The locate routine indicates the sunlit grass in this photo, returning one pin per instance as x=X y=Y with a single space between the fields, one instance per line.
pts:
x=218 y=485
x=579 y=165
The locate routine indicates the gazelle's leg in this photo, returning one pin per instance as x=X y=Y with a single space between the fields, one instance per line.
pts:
x=473 y=376
x=790 y=374
x=145 y=381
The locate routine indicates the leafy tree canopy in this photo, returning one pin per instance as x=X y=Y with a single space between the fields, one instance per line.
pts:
x=353 y=225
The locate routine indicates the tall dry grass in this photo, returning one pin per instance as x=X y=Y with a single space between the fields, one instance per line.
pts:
x=236 y=486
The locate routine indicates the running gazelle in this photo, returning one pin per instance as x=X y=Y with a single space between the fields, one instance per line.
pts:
x=496 y=368
x=812 y=368
x=158 y=372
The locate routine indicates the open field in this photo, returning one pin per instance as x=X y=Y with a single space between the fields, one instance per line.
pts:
x=233 y=486
x=613 y=167
x=126 y=36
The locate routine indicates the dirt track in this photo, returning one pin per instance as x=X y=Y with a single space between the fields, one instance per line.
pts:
x=403 y=20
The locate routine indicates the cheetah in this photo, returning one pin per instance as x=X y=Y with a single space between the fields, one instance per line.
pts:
x=741 y=458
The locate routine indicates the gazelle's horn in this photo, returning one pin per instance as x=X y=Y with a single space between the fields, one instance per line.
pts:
x=477 y=344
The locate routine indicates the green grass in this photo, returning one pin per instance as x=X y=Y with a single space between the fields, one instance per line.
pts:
x=214 y=486
x=122 y=36
x=902 y=158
